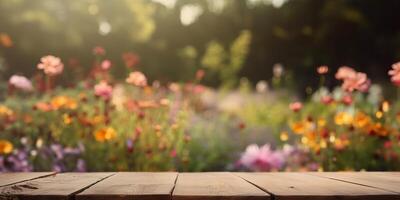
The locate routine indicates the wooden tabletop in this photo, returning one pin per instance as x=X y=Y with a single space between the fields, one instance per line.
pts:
x=201 y=186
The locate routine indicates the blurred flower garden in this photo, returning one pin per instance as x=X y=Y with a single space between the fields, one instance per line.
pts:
x=65 y=118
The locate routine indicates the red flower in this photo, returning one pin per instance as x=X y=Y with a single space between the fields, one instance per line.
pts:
x=348 y=100
x=98 y=50
x=130 y=59
x=327 y=100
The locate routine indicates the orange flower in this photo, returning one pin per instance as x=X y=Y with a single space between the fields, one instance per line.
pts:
x=361 y=120
x=63 y=102
x=300 y=127
x=147 y=104
x=105 y=134
x=42 y=106
x=379 y=129
x=5 y=111
x=5 y=40
x=6 y=147
x=341 y=143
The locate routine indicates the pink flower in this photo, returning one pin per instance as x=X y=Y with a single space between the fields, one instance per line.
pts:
x=173 y=153
x=106 y=64
x=395 y=74
x=51 y=65
x=296 y=106
x=262 y=159
x=21 y=82
x=137 y=79
x=345 y=72
x=98 y=50
x=353 y=80
x=104 y=90
x=358 y=82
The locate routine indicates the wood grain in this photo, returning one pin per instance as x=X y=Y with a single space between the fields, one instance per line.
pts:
x=389 y=181
x=134 y=185
x=59 y=186
x=301 y=186
x=12 y=178
x=215 y=186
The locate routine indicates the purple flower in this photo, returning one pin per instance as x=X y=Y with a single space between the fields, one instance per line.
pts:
x=81 y=165
x=16 y=162
x=21 y=82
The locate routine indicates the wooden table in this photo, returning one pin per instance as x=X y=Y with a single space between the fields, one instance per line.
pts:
x=201 y=186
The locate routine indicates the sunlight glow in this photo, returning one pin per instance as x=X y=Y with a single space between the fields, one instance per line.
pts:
x=190 y=13
x=104 y=27
x=166 y=3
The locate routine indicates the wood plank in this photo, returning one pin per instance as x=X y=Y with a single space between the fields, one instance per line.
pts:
x=215 y=186
x=302 y=186
x=132 y=185
x=59 y=186
x=12 y=178
x=389 y=181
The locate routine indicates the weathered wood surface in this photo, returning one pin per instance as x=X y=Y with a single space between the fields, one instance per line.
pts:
x=389 y=181
x=287 y=186
x=204 y=186
x=12 y=178
x=59 y=186
x=136 y=185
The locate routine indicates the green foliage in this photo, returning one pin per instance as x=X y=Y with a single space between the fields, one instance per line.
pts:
x=228 y=63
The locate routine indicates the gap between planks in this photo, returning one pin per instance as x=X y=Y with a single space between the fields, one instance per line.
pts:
x=73 y=195
x=255 y=185
x=341 y=179
x=29 y=177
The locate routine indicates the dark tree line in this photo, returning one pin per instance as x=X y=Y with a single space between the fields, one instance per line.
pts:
x=301 y=35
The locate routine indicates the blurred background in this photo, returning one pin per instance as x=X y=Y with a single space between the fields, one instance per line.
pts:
x=231 y=39
x=199 y=85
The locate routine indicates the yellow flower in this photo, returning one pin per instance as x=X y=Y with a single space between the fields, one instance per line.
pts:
x=343 y=118
x=385 y=106
x=284 y=136
x=361 y=120
x=97 y=119
x=321 y=122
x=105 y=134
x=323 y=144
x=6 y=147
x=67 y=119
x=5 y=111
x=379 y=114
